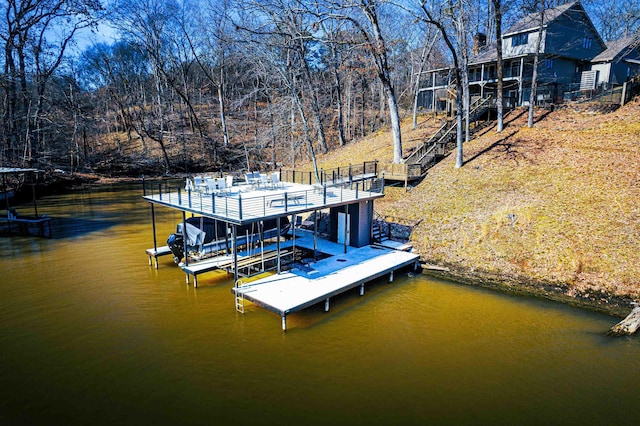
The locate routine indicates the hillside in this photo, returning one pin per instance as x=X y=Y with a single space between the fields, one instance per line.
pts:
x=552 y=210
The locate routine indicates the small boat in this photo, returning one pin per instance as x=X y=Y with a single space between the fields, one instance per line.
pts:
x=207 y=236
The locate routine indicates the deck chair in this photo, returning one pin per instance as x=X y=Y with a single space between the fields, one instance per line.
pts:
x=211 y=185
x=275 y=180
x=264 y=180
x=221 y=186
x=198 y=183
x=189 y=187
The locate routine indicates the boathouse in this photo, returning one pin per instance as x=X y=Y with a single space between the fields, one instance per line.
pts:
x=13 y=221
x=321 y=243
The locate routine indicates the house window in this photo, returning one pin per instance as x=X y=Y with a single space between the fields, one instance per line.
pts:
x=515 y=69
x=586 y=43
x=548 y=63
x=519 y=39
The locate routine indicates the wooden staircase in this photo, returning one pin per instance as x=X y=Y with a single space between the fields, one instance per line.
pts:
x=435 y=148
x=379 y=233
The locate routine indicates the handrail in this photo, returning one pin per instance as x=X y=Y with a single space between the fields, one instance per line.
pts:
x=242 y=206
x=439 y=138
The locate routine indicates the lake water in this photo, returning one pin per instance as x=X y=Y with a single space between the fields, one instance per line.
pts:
x=90 y=334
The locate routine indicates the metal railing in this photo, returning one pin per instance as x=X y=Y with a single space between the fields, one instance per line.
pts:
x=241 y=203
x=329 y=176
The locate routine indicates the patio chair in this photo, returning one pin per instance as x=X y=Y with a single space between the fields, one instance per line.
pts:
x=199 y=184
x=212 y=185
x=189 y=187
x=264 y=180
x=275 y=180
x=221 y=186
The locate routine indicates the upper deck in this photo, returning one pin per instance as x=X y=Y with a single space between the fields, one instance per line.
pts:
x=246 y=203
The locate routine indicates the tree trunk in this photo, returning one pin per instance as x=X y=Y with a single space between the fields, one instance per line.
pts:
x=534 y=77
x=497 y=6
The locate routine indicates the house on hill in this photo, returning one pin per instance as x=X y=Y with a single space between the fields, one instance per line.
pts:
x=619 y=62
x=572 y=57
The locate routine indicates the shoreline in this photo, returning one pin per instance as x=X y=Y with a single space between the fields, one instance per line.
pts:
x=602 y=302
x=598 y=301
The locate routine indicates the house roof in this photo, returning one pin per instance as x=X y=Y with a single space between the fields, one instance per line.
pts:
x=617 y=49
x=532 y=21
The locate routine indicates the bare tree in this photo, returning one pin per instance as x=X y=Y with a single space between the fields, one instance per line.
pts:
x=429 y=43
x=364 y=17
x=36 y=35
x=538 y=9
x=497 y=13
x=437 y=16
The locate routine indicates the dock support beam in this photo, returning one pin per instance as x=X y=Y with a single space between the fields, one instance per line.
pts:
x=284 y=323
x=326 y=305
x=155 y=240
x=362 y=289
x=391 y=277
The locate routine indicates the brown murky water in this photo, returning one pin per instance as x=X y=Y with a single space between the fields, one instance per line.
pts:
x=90 y=334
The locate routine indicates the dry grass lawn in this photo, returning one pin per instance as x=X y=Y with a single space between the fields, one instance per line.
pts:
x=557 y=204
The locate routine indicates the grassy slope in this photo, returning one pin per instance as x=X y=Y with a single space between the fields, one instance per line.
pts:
x=557 y=205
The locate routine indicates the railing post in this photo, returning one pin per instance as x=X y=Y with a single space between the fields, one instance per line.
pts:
x=213 y=203
x=179 y=197
x=240 y=205
x=286 y=202
x=160 y=190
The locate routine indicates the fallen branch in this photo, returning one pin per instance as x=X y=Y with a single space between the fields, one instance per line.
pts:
x=627 y=326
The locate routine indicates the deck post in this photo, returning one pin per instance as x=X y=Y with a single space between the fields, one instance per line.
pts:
x=278 y=245
x=155 y=239
x=284 y=323
x=326 y=305
x=362 y=289
x=391 y=276
x=184 y=239
x=346 y=227
x=235 y=253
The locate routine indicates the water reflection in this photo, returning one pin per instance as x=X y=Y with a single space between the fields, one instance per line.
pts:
x=91 y=334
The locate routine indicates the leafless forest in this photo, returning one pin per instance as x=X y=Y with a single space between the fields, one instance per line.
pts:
x=164 y=86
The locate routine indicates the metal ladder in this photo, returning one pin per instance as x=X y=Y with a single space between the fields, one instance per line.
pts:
x=239 y=297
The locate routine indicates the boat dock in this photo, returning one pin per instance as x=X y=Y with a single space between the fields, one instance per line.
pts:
x=308 y=284
x=309 y=265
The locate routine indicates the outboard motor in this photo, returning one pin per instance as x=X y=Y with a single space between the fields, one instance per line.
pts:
x=176 y=245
